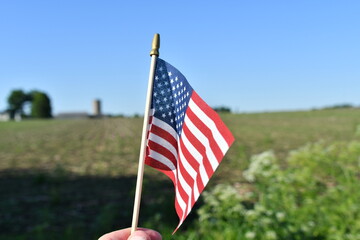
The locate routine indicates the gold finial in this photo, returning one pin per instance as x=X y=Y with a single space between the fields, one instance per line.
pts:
x=155 y=45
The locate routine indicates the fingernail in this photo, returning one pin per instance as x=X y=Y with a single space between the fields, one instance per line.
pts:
x=139 y=235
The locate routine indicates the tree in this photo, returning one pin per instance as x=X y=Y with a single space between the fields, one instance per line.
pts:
x=16 y=101
x=222 y=109
x=41 y=106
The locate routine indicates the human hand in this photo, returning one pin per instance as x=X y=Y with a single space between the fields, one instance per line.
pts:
x=139 y=234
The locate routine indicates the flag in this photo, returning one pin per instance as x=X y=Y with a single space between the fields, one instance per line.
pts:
x=186 y=139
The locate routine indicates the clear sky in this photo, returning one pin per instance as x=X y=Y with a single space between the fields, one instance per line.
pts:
x=247 y=55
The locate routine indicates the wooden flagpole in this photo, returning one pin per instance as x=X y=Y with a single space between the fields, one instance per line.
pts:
x=154 y=54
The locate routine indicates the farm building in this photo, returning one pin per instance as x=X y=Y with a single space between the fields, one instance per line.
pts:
x=5 y=116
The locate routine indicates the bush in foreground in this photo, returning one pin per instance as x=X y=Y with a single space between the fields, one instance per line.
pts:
x=315 y=196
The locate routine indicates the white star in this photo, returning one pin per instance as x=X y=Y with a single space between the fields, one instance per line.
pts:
x=163 y=76
x=161 y=108
x=169 y=73
x=169 y=114
x=181 y=83
x=155 y=94
x=177 y=85
x=157 y=101
x=165 y=99
x=159 y=85
x=171 y=80
x=171 y=120
x=176 y=78
x=160 y=69
x=167 y=106
x=166 y=83
x=162 y=92
x=156 y=78
x=163 y=115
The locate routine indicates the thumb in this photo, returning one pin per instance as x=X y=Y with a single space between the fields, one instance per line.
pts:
x=139 y=235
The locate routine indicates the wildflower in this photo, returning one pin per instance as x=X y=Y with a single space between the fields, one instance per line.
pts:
x=280 y=216
x=270 y=235
x=265 y=221
x=251 y=215
x=260 y=208
x=262 y=164
x=311 y=224
x=305 y=228
x=250 y=235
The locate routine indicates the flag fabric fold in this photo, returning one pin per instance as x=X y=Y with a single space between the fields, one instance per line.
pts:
x=186 y=139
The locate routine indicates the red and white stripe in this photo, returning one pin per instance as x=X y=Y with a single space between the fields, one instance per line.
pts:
x=191 y=159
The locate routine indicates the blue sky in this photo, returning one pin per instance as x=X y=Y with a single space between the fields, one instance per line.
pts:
x=249 y=55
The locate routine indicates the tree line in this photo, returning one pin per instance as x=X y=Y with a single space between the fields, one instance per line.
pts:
x=40 y=104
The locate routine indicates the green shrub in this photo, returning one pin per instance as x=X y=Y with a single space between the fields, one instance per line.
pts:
x=315 y=196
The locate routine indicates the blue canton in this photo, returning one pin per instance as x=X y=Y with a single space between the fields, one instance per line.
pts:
x=171 y=95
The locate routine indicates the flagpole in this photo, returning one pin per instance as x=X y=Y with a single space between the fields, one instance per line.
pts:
x=154 y=53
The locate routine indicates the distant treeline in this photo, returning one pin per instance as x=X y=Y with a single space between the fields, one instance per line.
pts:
x=338 y=106
x=222 y=109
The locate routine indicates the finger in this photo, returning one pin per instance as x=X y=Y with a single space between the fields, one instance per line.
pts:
x=154 y=235
x=145 y=234
x=125 y=233
x=117 y=235
x=139 y=235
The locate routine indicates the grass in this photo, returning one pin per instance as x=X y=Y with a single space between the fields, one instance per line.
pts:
x=75 y=179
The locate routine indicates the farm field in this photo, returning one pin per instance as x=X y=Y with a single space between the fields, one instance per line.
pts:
x=75 y=179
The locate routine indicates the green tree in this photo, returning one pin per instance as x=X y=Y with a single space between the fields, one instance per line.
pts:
x=16 y=100
x=222 y=109
x=41 y=105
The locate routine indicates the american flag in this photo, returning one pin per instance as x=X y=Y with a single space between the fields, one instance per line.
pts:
x=186 y=140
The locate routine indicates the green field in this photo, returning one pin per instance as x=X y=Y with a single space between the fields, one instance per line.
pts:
x=75 y=179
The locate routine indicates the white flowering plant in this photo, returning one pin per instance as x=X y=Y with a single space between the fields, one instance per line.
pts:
x=315 y=194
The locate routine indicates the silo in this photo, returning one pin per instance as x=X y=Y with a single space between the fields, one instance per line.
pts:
x=97 y=107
